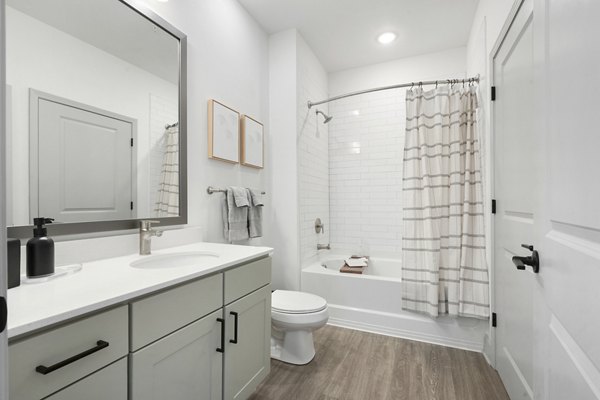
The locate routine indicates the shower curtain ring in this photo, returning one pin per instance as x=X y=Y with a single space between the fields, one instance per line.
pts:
x=436 y=83
x=412 y=85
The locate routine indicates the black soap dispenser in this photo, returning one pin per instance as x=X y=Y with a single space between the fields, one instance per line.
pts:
x=40 y=250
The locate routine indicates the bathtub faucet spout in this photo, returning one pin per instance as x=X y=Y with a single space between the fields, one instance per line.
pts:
x=323 y=247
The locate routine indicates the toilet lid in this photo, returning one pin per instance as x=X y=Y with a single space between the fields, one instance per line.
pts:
x=291 y=302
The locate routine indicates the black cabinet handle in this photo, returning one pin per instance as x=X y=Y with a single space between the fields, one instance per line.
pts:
x=3 y=314
x=235 y=327
x=222 y=348
x=100 y=344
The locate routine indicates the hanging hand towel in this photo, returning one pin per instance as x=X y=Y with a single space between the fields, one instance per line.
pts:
x=235 y=214
x=255 y=213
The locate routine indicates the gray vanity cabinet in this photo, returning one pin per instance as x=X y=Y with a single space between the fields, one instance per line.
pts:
x=248 y=328
x=45 y=363
x=205 y=339
x=108 y=383
x=184 y=365
x=247 y=351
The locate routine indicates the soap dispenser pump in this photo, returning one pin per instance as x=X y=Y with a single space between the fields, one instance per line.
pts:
x=40 y=250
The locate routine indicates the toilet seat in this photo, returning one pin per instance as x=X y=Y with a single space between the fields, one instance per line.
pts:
x=292 y=302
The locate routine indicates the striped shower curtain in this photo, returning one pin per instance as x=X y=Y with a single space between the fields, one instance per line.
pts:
x=444 y=268
x=167 y=203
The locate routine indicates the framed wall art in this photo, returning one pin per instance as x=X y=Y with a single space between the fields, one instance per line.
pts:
x=223 y=132
x=253 y=145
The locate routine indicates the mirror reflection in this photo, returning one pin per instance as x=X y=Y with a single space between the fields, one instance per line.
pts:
x=92 y=113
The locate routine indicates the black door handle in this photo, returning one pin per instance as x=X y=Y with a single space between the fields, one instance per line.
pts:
x=533 y=260
x=100 y=344
x=222 y=348
x=235 y=327
x=3 y=314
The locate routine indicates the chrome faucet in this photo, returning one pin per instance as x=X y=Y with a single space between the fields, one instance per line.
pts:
x=146 y=233
x=323 y=247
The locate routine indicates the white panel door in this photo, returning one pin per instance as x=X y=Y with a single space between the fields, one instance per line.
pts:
x=516 y=175
x=566 y=315
x=85 y=164
x=547 y=183
x=3 y=260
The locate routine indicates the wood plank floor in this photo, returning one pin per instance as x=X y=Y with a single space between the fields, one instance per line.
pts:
x=354 y=365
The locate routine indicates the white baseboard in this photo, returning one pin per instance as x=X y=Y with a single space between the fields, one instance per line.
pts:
x=412 y=327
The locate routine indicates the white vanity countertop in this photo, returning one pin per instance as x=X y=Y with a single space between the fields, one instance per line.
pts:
x=111 y=281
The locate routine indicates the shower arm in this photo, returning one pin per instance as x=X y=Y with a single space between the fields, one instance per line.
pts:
x=471 y=80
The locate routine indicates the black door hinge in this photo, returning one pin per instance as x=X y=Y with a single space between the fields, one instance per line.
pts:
x=131 y=142
x=493 y=93
x=493 y=206
x=494 y=320
x=131 y=205
x=3 y=314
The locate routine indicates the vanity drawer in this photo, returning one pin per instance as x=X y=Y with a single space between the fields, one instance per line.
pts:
x=86 y=338
x=245 y=279
x=158 y=315
x=109 y=383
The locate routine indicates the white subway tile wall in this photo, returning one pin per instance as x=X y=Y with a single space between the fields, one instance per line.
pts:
x=313 y=154
x=366 y=141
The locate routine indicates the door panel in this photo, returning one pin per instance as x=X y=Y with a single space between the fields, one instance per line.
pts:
x=85 y=163
x=248 y=361
x=184 y=365
x=558 y=157
x=569 y=234
x=516 y=176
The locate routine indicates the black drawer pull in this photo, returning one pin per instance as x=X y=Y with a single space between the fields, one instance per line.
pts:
x=222 y=348
x=235 y=327
x=100 y=344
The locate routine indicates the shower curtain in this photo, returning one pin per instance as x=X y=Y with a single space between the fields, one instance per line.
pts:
x=167 y=204
x=444 y=268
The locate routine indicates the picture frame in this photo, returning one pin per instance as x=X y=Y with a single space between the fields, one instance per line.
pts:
x=223 y=132
x=253 y=143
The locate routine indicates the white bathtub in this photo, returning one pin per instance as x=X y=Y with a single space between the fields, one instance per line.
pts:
x=373 y=302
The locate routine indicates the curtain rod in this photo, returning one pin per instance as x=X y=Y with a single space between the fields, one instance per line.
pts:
x=474 y=79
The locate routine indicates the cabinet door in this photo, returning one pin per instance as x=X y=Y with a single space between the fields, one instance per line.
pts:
x=182 y=366
x=108 y=383
x=247 y=359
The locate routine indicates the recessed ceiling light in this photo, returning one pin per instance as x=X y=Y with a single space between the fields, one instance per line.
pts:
x=386 y=37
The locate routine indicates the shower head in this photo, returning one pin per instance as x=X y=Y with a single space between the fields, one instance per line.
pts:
x=327 y=117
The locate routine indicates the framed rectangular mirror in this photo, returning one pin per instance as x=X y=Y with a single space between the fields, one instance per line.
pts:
x=96 y=116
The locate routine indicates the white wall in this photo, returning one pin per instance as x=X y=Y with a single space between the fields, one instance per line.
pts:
x=313 y=152
x=487 y=24
x=283 y=159
x=42 y=58
x=227 y=61
x=366 y=141
x=300 y=182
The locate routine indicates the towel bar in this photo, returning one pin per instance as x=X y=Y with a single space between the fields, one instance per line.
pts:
x=211 y=190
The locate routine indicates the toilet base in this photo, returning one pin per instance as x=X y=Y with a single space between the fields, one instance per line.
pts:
x=292 y=347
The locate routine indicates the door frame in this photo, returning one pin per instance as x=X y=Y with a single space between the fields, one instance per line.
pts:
x=34 y=98
x=517 y=4
x=3 y=258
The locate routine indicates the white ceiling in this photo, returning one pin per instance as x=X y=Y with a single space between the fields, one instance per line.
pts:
x=343 y=33
x=113 y=27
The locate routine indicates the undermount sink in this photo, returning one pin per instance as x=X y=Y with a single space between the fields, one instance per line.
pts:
x=174 y=260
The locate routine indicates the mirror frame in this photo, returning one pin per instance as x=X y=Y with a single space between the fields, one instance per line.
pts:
x=76 y=228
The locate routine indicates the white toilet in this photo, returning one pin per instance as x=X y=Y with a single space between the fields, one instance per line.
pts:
x=294 y=317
